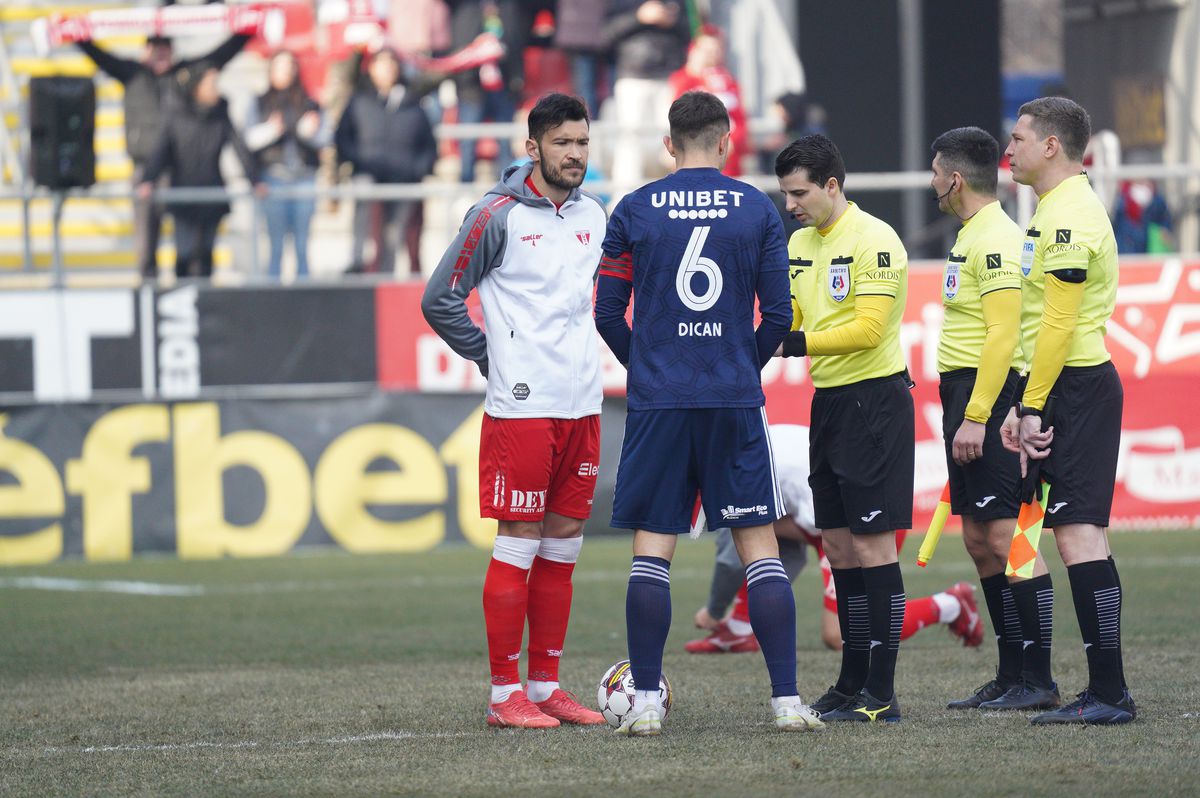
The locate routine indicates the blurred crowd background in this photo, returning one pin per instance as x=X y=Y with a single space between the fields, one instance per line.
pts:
x=353 y=141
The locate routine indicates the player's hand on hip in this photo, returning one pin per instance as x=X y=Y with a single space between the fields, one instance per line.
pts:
x=1010 y=431
x=968 y=442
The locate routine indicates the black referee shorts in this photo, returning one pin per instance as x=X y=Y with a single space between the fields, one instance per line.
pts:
x=861 y=450
x=1082 y=466
x=987 y=488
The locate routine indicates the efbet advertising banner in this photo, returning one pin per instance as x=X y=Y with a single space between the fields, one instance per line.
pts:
x=1154 y=338
x=250 y=478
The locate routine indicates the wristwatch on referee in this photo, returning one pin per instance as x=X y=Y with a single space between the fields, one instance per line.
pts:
x=1025 y=410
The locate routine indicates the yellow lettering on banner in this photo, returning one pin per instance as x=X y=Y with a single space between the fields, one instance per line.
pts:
x=345 y=488
x=107 y=474
x=202 y=455
x=461 y=451
x=37 y=494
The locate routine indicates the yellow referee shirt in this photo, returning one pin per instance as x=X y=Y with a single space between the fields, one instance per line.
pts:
x=1070 y=230
x=858 y=255
x=985 y=258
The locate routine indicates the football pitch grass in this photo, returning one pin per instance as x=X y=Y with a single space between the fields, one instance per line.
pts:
x=332 y=674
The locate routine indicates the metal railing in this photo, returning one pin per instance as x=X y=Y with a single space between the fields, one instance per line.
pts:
x=857 y=183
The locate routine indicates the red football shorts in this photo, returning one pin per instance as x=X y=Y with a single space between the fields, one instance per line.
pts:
x=528 y=466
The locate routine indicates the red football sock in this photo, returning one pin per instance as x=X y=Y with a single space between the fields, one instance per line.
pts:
x=741 y=605
x=919 y=613
x=549 y=611
x=505 y=596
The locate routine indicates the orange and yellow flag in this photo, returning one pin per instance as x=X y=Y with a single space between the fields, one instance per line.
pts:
x=1024 y=548
x=936 y=525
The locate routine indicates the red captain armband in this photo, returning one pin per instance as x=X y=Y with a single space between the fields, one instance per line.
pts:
x=620 y=267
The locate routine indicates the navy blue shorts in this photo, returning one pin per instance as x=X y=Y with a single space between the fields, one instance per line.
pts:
x=669 y=455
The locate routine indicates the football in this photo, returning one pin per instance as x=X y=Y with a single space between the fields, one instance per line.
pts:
x=615 y=695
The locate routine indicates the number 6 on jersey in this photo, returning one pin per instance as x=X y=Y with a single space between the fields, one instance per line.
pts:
x=694 y=263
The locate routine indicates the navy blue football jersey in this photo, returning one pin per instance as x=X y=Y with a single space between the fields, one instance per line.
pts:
x=696 y=248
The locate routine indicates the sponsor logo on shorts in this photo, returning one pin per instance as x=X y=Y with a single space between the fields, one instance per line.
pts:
x=554 y=652
x=588 y=469
x=869 y=518
x=1057 y=507
x=732 y=513
x=984 y=503
x=520 y=392
x=527 y=501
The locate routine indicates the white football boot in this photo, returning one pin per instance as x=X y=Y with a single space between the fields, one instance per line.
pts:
x=646 y=722
x=793 y=715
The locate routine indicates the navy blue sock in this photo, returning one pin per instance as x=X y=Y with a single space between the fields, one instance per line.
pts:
x=648 y=618
x=773 y=616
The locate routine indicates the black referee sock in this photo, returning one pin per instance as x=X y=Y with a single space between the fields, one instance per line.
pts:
x=1097 y=596
x=1035 y=610
x=1003 y=613
x=855 y=625
x=1121 y=657
x=885 y=603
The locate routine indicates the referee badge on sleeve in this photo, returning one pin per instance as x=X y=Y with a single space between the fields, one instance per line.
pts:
x=839 y=281
x=950 y=282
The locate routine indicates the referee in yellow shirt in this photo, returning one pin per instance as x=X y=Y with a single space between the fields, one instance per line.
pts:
x=849 y=278
x=1068 y=292
x=979 y=359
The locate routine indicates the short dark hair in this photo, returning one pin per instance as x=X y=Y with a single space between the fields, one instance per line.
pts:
x=698 y=117
x=973 y=153
x=816 y=154
x=552 y=110
x=1066 y=119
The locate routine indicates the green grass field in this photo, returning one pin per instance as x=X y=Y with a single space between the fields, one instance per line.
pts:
x=329 y=674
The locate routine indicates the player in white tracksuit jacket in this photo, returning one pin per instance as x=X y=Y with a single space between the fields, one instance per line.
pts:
x=531 y=248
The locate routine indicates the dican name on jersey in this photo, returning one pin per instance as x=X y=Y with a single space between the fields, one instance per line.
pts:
x=697 y=204
x=702 y=329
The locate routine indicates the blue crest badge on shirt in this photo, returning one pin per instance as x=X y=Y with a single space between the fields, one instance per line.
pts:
x=1027 y=250
x=839 y=281
x=950 y=283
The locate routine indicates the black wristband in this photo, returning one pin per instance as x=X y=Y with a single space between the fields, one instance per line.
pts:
x=1026 y=410
x=794 y=345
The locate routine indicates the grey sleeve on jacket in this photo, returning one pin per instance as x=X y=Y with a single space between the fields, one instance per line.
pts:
x=477 y=249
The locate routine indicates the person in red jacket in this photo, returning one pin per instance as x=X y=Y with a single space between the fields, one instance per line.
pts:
x=705 y=70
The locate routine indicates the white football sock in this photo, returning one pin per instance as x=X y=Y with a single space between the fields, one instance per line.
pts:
x=948 y=607
x=501 y=692
x=643 y=697
x=539 y=691
x=739 y=627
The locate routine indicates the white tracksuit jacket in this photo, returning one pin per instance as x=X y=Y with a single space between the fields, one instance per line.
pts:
x=534 y=267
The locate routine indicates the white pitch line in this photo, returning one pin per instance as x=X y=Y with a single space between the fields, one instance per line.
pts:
x=350 y=740
x=101 y=586
x=292 y=586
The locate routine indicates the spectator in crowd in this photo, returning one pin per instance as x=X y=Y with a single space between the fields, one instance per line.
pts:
x=147 y=84
x=283 y=128
x=489 y=93
x=649 y=39
x=386 y=137
x=705 y=70
x=1142 y=222
x=197 y=128
x=576 y=35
